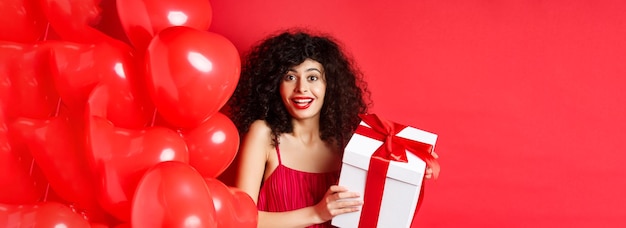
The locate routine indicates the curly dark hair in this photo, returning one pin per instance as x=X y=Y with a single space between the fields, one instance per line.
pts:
x=257 y=96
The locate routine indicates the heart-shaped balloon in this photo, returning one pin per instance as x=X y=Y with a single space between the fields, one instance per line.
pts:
x=212 y=145
x=40 y=215
x=173 y=194
x=143 y=19
x=191 y=74
x=98 y=225
x=78 y=68
x=120 y=156
x=21 y=21
x=5 y=82
x=234 y=208
x=32 y=94
x=123 y=225
x=110 y=23
x=17 y=185
x=72 y=20
x=61 y=157
x=4 y=92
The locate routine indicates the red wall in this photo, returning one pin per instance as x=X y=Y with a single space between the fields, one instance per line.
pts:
x=527 y=97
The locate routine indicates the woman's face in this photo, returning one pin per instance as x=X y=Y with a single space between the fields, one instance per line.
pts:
x=303 y=88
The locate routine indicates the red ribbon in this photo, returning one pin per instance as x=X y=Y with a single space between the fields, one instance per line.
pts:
x=393 y=149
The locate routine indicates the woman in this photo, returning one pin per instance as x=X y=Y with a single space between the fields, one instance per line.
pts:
x=296 y=106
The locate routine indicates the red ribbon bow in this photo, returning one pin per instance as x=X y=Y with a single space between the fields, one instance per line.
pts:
x=393 y=149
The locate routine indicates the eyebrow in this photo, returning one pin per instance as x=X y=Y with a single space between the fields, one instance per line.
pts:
x=307 y=70
x=314 y=69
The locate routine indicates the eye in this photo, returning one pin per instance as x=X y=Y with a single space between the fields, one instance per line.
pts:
x=313 y=78
x=289 y=77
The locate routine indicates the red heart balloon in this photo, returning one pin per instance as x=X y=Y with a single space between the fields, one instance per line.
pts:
x=212 y=145
x=173 y=194
x=78 y=68
x=110 y=23
x=233 y=207
x=17 y=185
x=119 y=156
x=31 y=94
x=123 y=225
x=5 y=88
x=61 y=158
x=21 y=21
x=72 y=20
x=191 y=74
x=6 y=55
x=40 y=215
x=98 y=225
x=143 y=19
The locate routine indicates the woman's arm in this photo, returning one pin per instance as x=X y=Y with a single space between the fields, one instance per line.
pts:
x=253 y=155
x=338 y=200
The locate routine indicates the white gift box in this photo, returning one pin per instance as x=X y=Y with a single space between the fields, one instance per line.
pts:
x=402 y=186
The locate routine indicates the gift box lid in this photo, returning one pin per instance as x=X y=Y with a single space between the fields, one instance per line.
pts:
x=360 y=149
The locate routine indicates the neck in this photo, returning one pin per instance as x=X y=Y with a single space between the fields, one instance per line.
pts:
x=306 y=130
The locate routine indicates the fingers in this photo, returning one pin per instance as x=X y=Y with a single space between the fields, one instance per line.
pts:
x=354 y=204
x=342 y=201
x=338 y=200
x=346 y=195
x=346 y=209
x=342 y=192
x=344 y=205
x=337 y=188
x=336 y=192
x=429 y=173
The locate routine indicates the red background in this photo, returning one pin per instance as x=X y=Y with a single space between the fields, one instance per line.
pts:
x=527 y=97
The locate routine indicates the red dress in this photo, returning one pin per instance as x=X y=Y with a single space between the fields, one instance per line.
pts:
x=288 y=189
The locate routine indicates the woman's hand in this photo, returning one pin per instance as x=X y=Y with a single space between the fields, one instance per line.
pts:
x=338 y=200
x=429 y=171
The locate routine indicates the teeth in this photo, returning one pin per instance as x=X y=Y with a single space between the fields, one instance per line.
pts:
x=302 y=100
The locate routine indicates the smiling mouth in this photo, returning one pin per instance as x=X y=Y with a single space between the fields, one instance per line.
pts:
x=302 y=103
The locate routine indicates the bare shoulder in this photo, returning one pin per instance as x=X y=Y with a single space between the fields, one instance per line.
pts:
x=259 y=135
x=260 y=129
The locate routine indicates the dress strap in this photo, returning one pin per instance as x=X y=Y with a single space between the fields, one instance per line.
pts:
x=278 y=154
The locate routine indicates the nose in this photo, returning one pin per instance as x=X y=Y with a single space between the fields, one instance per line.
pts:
x=301 y=86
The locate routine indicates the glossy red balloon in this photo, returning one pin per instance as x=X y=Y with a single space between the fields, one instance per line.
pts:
x=234 y=208
x=61 y=158
x=110 y=22
x=31 y=93
x=78 y=68
x=123 y=225
x=21 y=21
x=191 y=74
x=5 y=81
x=120 y=156
x=173 y=194
x=98 y=225
x=72 y=20
x=17 y=185
x=212 y=145
x=143 y=19
x=40 y=215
